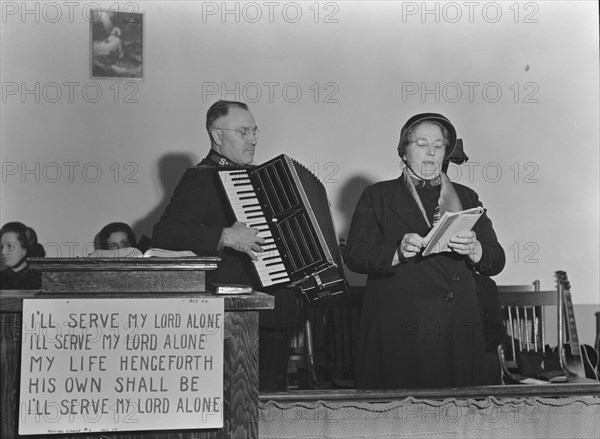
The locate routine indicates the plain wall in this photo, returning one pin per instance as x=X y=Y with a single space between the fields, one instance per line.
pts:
x=330 y=84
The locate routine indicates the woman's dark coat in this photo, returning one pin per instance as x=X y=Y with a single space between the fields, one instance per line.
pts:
x=420 y=321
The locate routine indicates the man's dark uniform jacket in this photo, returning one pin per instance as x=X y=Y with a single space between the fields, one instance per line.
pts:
x=195 y=218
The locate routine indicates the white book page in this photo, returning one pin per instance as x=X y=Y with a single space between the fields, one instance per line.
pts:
x=450 y=225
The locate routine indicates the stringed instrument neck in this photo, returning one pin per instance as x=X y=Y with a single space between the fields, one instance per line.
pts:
x=577 y=359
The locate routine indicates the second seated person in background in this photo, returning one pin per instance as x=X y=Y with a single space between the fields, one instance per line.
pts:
x=114 y=236
x=199 y=218
x=420 y=323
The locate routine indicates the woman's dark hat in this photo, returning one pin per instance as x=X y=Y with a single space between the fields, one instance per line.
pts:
x=433 y=117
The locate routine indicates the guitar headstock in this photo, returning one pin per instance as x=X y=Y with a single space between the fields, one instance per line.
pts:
x=573 y=357
x=562 y=280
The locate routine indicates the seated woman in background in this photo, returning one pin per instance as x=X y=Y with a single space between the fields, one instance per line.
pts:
x=114 y=236
x=18 y=243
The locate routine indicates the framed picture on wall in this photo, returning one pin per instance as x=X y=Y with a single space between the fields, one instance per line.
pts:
x=116 y=44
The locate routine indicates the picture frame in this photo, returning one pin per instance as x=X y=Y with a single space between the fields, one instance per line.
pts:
x=116 y=44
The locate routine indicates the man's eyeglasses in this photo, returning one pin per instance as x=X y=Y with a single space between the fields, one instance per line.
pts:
x=245 y=132
x=421 y=143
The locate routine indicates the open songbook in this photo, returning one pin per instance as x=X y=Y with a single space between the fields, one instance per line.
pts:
x=132 y=252
x=450 y=225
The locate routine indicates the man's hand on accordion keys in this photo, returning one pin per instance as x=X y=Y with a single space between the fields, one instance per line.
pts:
x=244 y=239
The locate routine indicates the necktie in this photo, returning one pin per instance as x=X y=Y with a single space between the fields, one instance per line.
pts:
x=436 y=214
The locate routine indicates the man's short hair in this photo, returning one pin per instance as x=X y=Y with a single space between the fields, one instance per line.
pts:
x=220 y=109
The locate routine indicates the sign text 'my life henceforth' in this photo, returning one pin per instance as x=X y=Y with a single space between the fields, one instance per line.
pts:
x=101 y=365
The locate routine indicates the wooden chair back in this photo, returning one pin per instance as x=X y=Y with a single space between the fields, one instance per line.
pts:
x=524 y=308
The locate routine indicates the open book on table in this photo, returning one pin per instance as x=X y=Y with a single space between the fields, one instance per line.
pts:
x=132 y=252
x=450 y=225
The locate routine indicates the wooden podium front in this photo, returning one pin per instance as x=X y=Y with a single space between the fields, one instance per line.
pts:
x=124 y=275
x=240 y=363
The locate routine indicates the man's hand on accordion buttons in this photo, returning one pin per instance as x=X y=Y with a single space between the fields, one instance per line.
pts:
x=243 y=239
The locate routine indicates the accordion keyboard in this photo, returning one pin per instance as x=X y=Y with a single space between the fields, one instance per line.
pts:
x=246 y=208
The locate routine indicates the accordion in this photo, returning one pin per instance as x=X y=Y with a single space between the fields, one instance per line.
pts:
x=289 y=206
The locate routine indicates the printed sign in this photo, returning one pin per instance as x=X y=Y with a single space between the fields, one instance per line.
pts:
x=102 y=365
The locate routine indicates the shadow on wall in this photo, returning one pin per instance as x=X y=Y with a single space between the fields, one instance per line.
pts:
x=170 y=170
x=349 y=195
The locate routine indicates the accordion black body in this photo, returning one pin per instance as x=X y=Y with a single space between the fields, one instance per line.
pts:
x=289 y=205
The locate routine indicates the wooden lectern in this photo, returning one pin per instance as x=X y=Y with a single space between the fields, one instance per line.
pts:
x=124 y=275
x=142 y=278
